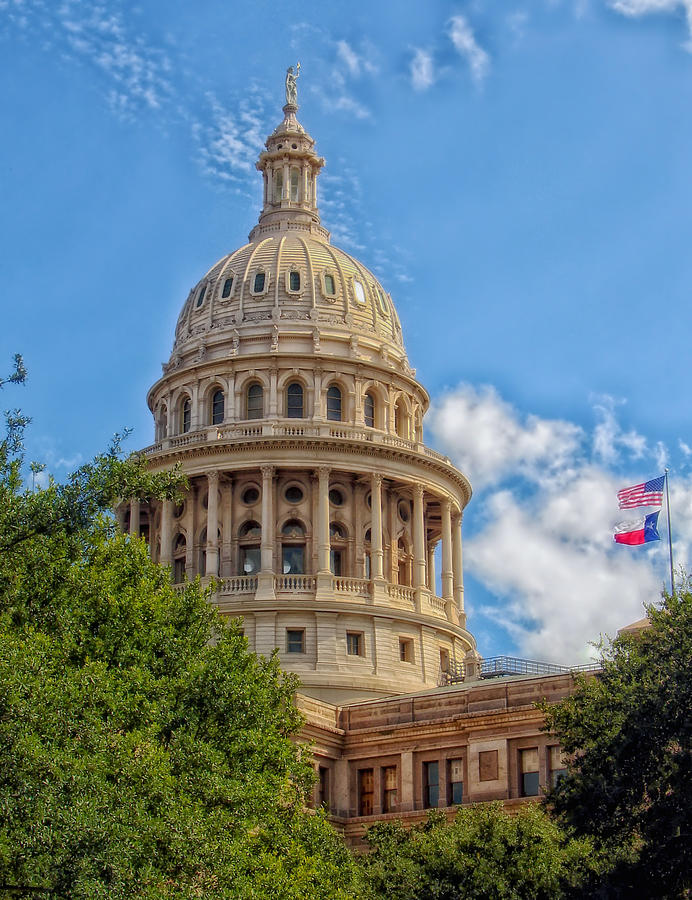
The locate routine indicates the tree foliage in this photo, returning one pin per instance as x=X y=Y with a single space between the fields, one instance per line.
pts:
x=144 y=752
x=484 y=854
x=629 y=731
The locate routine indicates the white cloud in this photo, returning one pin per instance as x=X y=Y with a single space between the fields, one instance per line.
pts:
x=422 y=70
x=637 y=8
x=538 y=532
x=488 y=439
x=465 y=43
x=229 y=140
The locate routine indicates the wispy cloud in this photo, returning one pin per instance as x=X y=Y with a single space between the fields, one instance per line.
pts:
x=464 y=40
x=539 y=528
x=637 y=8
x=422 y=70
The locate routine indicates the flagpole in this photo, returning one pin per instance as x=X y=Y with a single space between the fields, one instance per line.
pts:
x=670 y=538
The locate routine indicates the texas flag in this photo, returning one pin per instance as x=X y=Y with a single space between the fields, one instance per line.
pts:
x=638 y=532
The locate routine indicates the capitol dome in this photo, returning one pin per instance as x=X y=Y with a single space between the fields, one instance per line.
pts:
x=315 y=510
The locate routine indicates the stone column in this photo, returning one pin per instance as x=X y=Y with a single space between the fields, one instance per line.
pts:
x=134 y=517
x=418 y=537
x=166 y=532
x=267 y=543
x=226 y=526
x=457 y=561
x=212 y=567
x=406 y=803
x=376 y=527
x=447 y=575
x=323 y=543
x=265 y=579
x=431 y=567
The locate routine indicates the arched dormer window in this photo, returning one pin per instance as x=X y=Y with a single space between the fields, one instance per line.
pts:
x=369 y=410
x=227 y=288
x=334 y=404
x=217 y=407
x=200 y=296
x=294 y=401
x=255 y=401
x=186 y=415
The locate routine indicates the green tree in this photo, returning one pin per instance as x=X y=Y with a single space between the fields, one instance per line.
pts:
x=629 y=733
x=144 y=752
x=484 y=854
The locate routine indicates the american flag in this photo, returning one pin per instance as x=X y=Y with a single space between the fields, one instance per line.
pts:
x=650 y=493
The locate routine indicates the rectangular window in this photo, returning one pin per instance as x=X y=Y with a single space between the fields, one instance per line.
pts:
x=227 y=287
x=293 y=559
x=249 y=560
x=389 y=789
x=258 y=285
x=335 y=562
x=431 y=784
x=323 y=786
x=405 y=649
x=294 y=281
x=528 y=767
x=329 y=285
x=295 y=640
x=366 y=794
x=295 y=179
x=455 y=781
x=179 y=570
x=354 y=643
x=556 y=762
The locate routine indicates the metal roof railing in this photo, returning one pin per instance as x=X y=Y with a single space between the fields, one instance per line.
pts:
x=503 y=666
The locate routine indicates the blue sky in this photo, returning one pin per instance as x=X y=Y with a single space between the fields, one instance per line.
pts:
x=517 y=174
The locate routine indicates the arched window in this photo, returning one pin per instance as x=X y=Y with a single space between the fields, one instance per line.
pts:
x=186 y=415
x=179 y=550
x=337 y=549
x=334 y=404
x=369 y=410
x=258 y=283
x=278 y=185
x=227 y=287
x=217 y=407
x=249 y=554
x=293 y=548
x=294 y=401
x=295 y=181
x=255 y=401
x=294 y=280
x=162 y=423
x=200 y=296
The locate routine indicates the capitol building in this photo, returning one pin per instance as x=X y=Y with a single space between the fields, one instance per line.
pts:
x=316 y=510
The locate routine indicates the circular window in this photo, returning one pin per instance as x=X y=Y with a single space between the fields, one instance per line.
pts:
x=294 y=494
x=280 y=146
x=250 y=496
x=404 y=511
x=336 y=497
x=294 y=146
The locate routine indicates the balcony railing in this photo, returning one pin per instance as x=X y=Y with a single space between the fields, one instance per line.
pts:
x=298 y=583
x=497 y=666
x=357 y=587
x=270 y=428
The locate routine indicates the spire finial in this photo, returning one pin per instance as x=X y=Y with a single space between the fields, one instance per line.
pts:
x=292 y=85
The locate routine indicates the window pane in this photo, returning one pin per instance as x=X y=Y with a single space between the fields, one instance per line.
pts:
x=365 y=792
x=293 y=560
x=294 y=401
x=200 y=296
x=389 y=788
x=295 y=175
x=369 y=411
x=335 y=561
x=529 y=784
x=227 y=286
x=354 y=643
x=259 y=283
x=249 y=560
x=255 y=401
x=457 y=793
x=294 y=281
x=278 y=185
x=295 y=641
x=329 y=285
x=431 y=784
x=359 y=292
x=334 y=404
x=217 y=408
x=187 y=409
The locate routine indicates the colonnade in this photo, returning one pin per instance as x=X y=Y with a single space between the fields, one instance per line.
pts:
x=423 y=573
